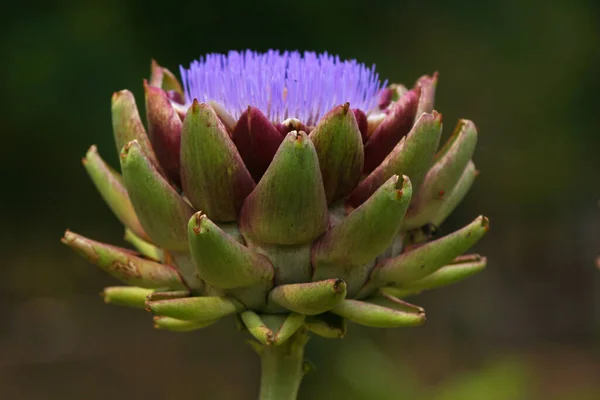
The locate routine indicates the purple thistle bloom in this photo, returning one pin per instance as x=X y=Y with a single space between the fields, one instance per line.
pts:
x=282 y=85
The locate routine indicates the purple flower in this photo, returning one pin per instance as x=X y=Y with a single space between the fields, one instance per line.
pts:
x=290 y=189
x=281 y=85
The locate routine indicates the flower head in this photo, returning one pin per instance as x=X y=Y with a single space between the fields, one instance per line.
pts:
x=286 y=188
x=281 y=84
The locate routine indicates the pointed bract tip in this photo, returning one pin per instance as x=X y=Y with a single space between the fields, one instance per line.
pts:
x=67 y=237
x=401 y=184
x=92 y=150
x=119 y=94
x=127 y=148
x=437 y=115
x=270 y=337
x=339 y=285
x=345 y=108
x=299 y=137
x=467 y=123
x=405 y=180
x=90 y=153
x=431 y=78
x=198 y=218
x=485 y=222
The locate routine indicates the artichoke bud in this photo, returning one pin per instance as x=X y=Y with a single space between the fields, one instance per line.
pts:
x=257 y=140
x=163 y=213
x=259 y=192
x=124 y=264
x=128 y=296
x=310 y=298
x=338 y=143
x=445 y=173
x=110 y=185
x=213 y=175
x=346 y=249
x=164 y=129
x=394 y=127
x=288 y=206
x=378 y=316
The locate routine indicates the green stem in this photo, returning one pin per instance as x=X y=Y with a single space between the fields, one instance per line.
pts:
x=282 y=368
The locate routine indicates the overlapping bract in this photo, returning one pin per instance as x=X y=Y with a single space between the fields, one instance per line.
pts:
x=285 y=225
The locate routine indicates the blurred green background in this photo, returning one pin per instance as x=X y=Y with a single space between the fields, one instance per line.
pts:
x=527 y=73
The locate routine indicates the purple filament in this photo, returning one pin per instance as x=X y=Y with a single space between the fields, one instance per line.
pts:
x=282 y=85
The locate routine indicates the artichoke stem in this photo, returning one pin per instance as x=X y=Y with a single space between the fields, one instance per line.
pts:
x=282 y=368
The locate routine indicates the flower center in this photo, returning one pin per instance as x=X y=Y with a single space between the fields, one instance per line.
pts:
x=282 y=85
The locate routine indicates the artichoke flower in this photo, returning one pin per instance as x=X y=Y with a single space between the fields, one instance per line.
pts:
x=294 y=191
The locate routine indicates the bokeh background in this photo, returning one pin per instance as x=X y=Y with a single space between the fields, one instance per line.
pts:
x=527 y=72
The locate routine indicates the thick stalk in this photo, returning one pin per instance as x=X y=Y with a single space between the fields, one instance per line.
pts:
x=282 y=368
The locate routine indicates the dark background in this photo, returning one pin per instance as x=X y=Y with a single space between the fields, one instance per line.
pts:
x=527 y=73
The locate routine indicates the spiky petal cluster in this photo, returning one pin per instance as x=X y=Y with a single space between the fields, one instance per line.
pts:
x=285 y=224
